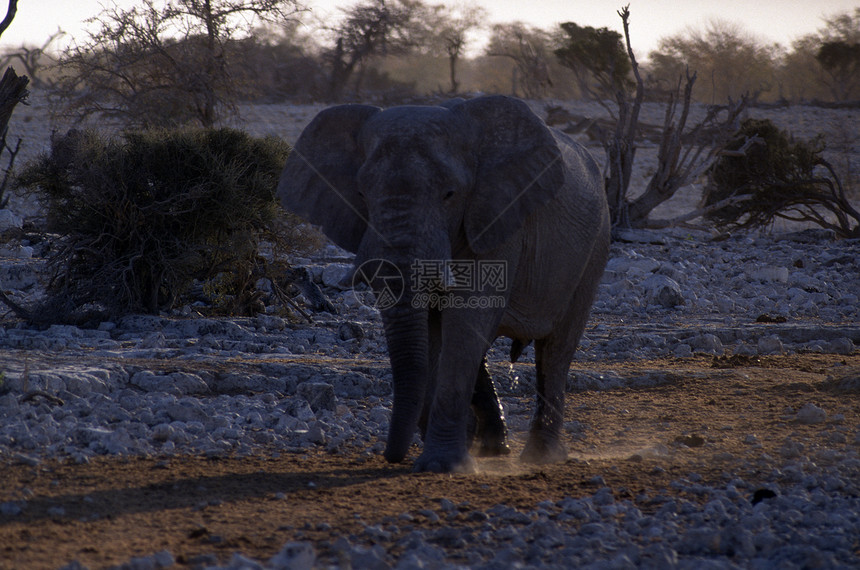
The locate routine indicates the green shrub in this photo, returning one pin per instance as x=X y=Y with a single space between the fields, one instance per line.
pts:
x=141 y=216
x=765 y=174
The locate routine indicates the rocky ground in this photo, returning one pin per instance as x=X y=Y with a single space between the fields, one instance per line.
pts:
x=713 y=420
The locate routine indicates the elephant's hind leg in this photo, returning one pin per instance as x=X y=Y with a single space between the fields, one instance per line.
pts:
x=553 y=356
x=490 y=429
x=544 y=443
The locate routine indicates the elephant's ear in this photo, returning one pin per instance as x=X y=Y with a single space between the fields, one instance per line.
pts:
x=519 y=168
x=319 y=180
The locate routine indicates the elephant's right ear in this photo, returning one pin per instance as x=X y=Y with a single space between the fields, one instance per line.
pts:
x=319 y=180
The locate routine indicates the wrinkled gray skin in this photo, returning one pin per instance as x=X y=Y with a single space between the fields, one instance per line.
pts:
x=483 y=179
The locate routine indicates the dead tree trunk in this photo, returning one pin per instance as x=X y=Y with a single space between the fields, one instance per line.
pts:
x=682 y=156
x=13 y=90
x=621 y=148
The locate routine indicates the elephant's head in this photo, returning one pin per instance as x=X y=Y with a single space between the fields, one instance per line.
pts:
x=420 y=182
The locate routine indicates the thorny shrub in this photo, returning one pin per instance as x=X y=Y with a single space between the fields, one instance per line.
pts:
x=765 y=174
x=142 y=216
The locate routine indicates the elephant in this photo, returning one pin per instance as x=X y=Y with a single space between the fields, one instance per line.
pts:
x=495 y=224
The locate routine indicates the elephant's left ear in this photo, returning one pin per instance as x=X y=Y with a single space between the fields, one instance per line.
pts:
x=519 y=168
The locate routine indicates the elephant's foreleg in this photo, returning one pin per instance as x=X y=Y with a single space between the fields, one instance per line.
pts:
x=435 y=346
x=466 y=336
x=490 y=428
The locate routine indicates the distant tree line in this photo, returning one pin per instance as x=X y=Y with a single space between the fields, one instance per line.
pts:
x=180 y=61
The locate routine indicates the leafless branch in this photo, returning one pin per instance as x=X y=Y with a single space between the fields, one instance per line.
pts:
x=10 y=15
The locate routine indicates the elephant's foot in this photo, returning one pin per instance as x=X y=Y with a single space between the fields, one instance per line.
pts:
x=445 y=463
x=541 y=449
x=493 y=444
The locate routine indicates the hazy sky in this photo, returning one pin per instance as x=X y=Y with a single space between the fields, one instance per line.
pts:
x=770 y=20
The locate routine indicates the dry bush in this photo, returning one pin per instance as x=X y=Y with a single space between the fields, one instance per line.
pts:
x=141 y=217
x=161 y=63
x=770 y=175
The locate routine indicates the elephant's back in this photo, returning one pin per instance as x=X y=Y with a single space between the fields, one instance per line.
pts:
x=583 y=171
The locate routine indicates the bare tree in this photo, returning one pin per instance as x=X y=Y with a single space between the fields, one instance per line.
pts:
x=13 y=90
x=162 y=59
x=35 y=61
x=528 y=48
x=11 y=10
x=683 y=156
x=374 y=28
x=731 y=60
x=451 y=28
x=841 y=61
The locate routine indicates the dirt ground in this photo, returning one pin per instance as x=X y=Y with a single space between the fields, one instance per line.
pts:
x=720 y=418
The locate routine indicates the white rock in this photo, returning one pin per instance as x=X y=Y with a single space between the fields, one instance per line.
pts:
x=707 y=343
x=315 y=434
x=769 y=274
x=19 y=275
x=682 y=350
x=294 y=556
x=644 y=266
x=335 y=274
x=811 y=414
x=271 y=322
x=152 y=340
x=67 y=331
x=663 y=291
x=162 y=432
x=319 y=395
x=841 y=345
x=770 y=345
x=10 y=220
x=18 y=252
x=181 y=382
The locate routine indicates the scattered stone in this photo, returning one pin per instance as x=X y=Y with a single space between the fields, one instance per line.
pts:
x=10 y=220
x=176 y=382
x=294 y=556
x=10 y=509
x=707 y=343
x=844 y=382
x=811 y=414
x=243 y=393
x=692 y=440
x=350 y=331
x=319 y=395
x=770 y=345
x=663 y=291
x=682 y=350
x=770 y=274
x=337 y=275
x=841 y=345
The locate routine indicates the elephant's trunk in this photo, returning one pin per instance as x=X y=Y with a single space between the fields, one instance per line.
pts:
x=406 y=330
x=406 y=321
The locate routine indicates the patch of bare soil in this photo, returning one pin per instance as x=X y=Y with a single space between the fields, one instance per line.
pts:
x=721 y=419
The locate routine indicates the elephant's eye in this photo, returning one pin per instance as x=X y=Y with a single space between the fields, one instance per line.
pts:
x=448 y=194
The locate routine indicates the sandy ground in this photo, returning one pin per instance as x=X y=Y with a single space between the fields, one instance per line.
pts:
x=722 y=419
